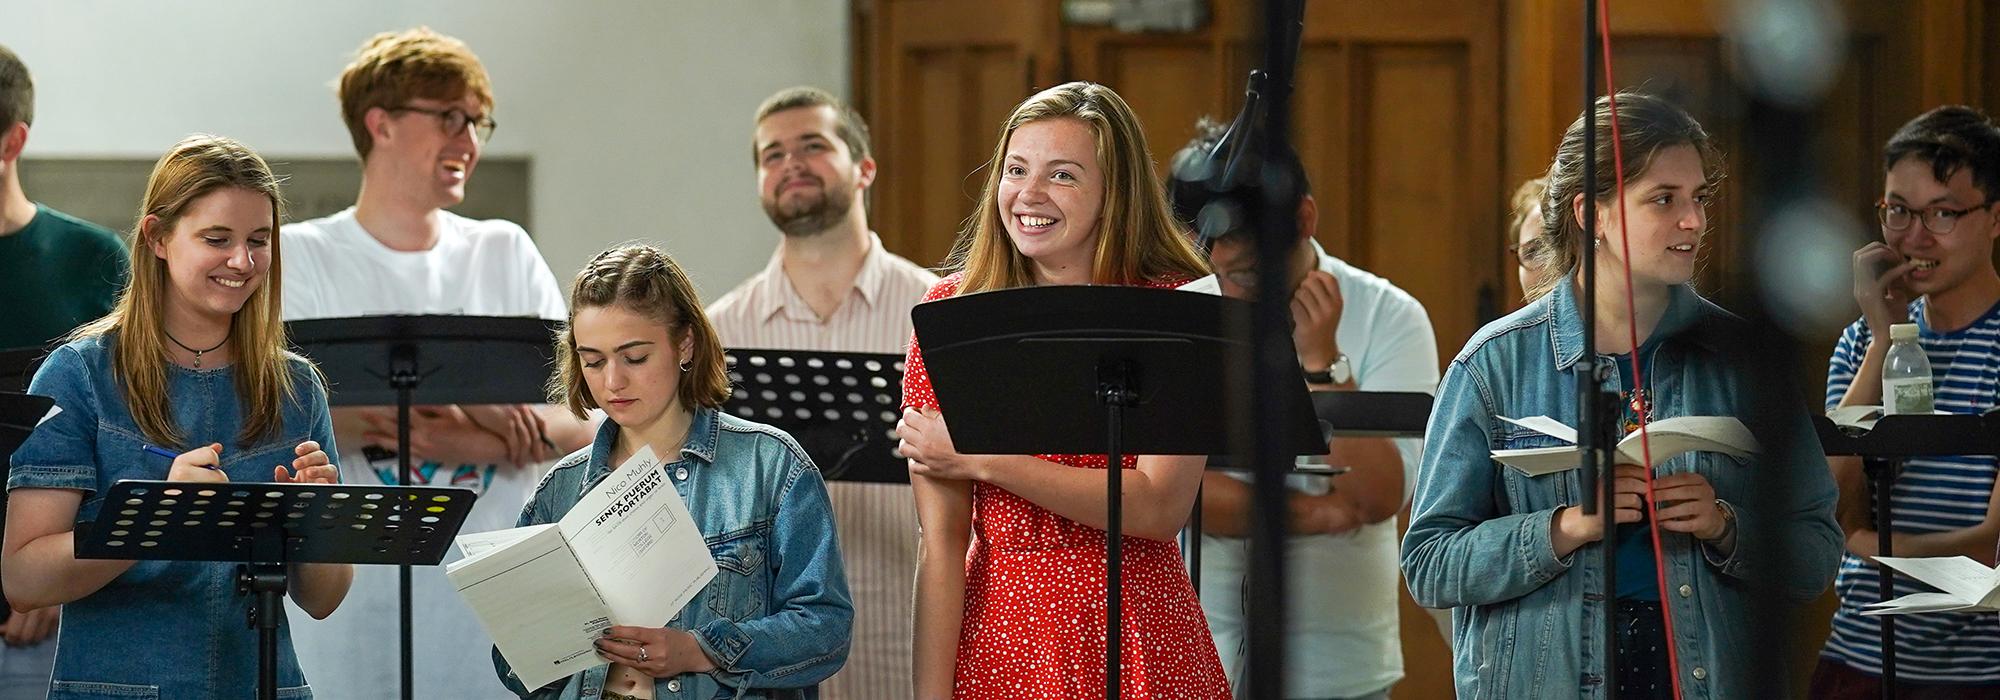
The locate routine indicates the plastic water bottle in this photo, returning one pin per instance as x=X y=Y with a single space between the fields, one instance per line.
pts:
x=1906 y=375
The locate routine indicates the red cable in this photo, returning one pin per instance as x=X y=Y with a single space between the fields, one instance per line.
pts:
x=1643 y=406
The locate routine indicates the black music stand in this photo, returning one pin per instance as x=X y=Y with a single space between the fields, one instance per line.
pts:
x=19 y=414
x=1364 y=414
x=18 y=365
x=842 y=407
x=1055 y=370
x=402 y=360
x=1883 y=450
x=267 y=527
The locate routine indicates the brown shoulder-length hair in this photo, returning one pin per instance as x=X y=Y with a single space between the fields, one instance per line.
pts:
x=1137 y=237
x=197 y=166
x=644 y=280
x=1647 y=124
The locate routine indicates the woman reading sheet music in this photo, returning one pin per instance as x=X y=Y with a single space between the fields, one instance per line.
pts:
x=1513 y=555
x=193 y=362
x=776 y=618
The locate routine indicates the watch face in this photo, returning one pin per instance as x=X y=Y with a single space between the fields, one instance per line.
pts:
x=1341 y=370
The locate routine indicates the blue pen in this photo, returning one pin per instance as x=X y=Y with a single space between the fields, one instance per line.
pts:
x=163 y=452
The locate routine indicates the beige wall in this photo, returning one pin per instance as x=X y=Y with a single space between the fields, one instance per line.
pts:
x=631 y=118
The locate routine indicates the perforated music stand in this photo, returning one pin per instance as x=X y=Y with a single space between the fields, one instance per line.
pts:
x=401 y=360
x=267 y=527
x=1883 y=449
x=1076 y=369
x=17 y=366
x=842 y=407
x=19 y=414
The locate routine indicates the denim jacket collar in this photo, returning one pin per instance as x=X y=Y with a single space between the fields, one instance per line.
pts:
x=703 y=433
x=1684 y=310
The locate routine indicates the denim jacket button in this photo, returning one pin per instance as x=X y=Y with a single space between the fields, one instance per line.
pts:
x=1700 y=673
x=674 y=686
x=1686 y=590
x=681 y=473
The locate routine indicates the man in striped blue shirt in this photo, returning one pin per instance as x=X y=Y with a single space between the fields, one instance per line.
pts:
x=1940 y=212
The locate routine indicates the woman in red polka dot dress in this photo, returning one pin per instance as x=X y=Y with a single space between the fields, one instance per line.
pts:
x=1011 y=579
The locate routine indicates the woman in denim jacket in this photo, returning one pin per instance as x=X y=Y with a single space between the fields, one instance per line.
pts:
x=776 y=618
x=1502 y=548
x=192 y=358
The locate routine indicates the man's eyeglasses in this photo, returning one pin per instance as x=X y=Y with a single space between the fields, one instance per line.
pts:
x=454 y=120
x=1527 y=254
x=1897 y=217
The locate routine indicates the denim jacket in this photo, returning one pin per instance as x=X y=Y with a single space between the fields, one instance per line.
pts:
x=1527 y=624
x=162 y=629
x=777 y=617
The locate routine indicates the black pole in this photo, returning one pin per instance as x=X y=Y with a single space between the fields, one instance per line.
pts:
x=404 y=377
x=1114 y=414
x=1276 y=231
x=1598 y=479
x=1884 y=480
x=1193 y=545
x=265 y=583
x=1118 y=388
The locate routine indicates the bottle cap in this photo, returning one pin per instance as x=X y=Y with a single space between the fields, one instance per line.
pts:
x=1903 y=331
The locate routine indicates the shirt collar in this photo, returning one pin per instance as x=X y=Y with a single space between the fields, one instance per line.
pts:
x=777 y=294
x=703 y=434
x=1684 y=308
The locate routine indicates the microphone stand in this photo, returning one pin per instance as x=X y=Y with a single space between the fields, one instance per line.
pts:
x=1596 y=406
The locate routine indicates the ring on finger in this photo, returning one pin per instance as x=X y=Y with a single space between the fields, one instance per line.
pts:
x=642 y=652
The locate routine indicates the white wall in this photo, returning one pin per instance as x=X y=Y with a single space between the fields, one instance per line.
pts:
x=636 y=114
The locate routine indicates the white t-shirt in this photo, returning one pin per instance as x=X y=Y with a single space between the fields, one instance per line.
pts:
x=1341 y=595
x=334 y=269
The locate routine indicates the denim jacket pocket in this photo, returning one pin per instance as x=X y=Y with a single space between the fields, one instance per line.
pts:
x=91 y=690
x=737 y=593
x=1526 y=494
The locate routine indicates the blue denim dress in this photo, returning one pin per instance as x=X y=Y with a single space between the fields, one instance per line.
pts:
x=777 y=618
x=1527 y=624
x=162 y=629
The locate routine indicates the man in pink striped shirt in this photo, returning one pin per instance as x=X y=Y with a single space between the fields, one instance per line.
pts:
x=832 y=287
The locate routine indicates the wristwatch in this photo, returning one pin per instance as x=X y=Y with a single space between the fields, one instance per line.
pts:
x=1728 y=520
x=1341 y=372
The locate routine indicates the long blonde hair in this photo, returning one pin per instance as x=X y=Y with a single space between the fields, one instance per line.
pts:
x=198 y=165
x=1137 y=237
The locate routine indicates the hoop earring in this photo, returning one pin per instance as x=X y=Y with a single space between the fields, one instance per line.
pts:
x=686 y=365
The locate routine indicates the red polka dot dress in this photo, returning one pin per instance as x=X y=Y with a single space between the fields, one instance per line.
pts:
x=1034 y=597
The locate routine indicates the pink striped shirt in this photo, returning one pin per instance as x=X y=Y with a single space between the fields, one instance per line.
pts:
x=877 y=523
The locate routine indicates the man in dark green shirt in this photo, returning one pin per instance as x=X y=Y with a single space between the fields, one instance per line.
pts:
x=56 y=271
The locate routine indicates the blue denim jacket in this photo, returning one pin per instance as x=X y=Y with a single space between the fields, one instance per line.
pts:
x=777 y=618
x=162 y=629
x=1526 y=624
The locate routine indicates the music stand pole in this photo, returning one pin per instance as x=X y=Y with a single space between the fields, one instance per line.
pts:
x=403 y=377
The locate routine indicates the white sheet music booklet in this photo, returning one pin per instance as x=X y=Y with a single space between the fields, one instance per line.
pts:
x=628 y=553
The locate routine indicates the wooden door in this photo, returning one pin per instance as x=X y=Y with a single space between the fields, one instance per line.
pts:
x=940 y=77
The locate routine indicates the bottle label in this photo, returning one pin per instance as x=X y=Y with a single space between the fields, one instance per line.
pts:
x=1908 y=396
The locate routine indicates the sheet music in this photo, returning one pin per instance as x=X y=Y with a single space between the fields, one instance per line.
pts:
x=627 y=553
x=1960 y=576
x=1669 y=438
x=638 y=543
x=536 y=603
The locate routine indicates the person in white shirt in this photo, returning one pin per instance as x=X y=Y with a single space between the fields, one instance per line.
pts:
x=1354 y=331
x=831 y=287
x=418 y=105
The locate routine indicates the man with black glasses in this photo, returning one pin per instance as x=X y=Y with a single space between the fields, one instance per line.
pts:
x=1932 y=267
x=418 y=107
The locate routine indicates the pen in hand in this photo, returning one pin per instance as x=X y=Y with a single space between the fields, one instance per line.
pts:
x=169 y=454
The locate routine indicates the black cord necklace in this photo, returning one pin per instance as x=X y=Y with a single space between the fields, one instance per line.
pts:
x=197 y=353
